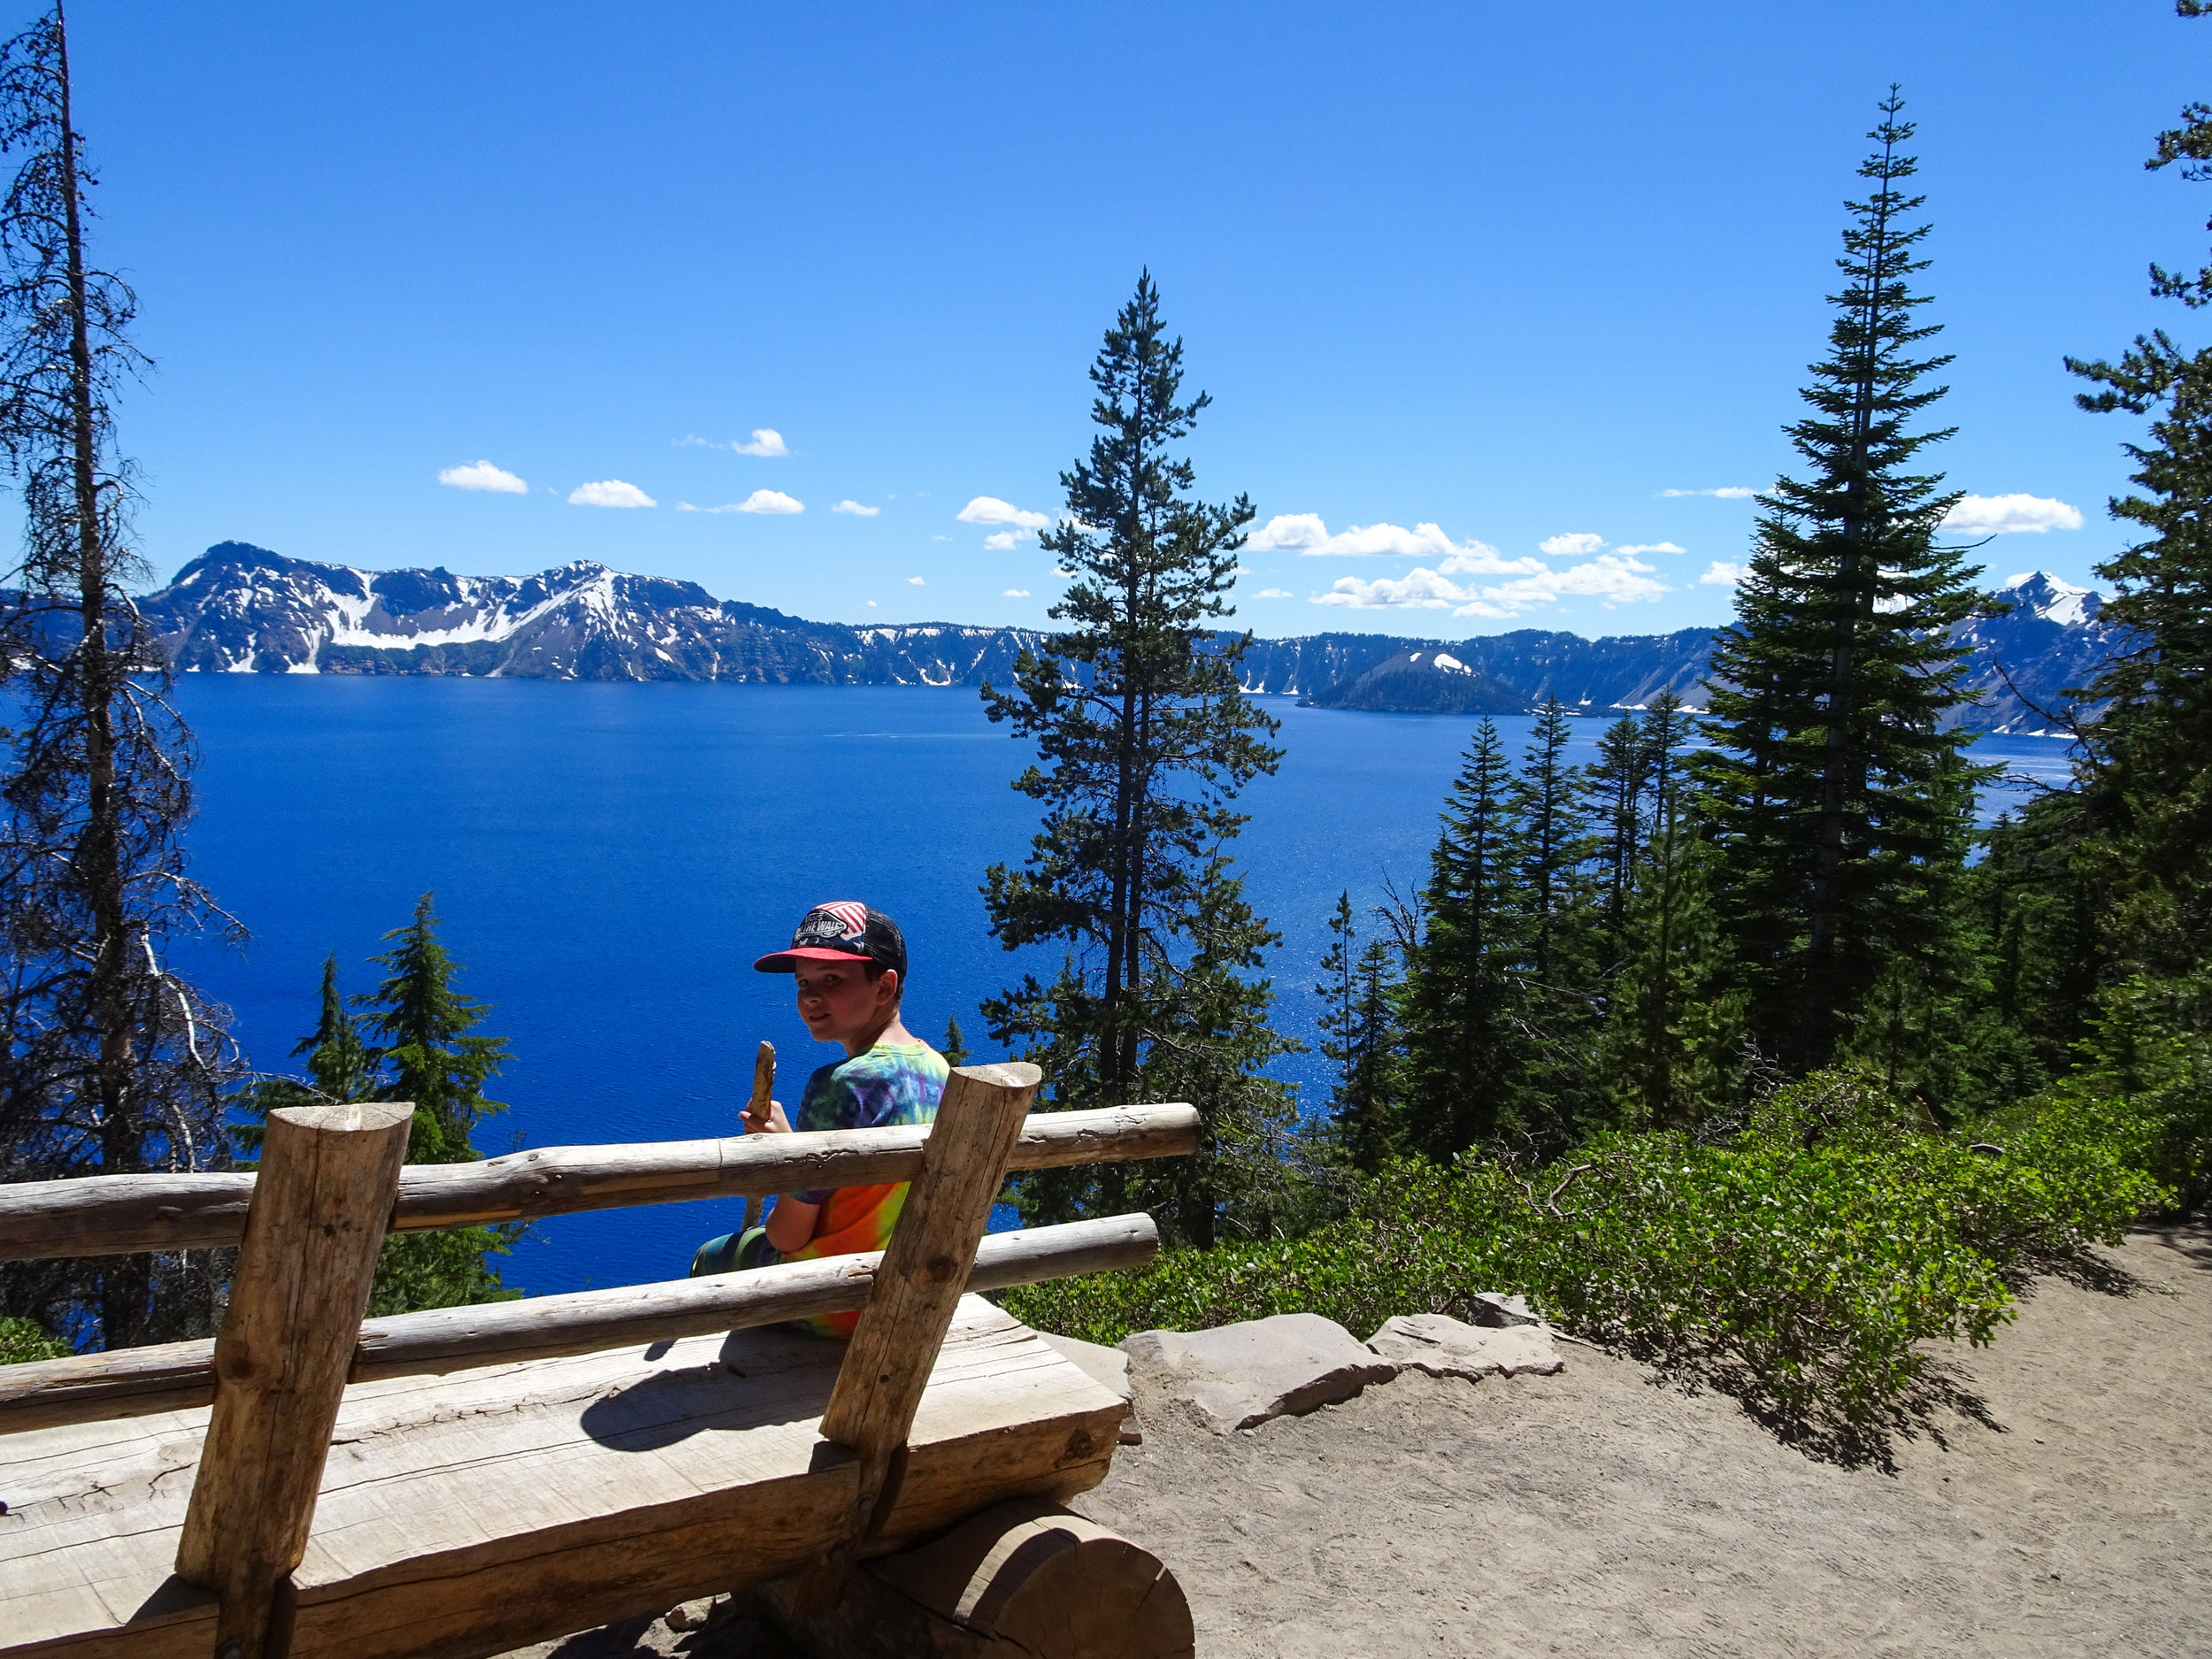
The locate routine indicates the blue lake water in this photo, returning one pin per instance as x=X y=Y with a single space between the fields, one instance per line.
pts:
x=609 y=859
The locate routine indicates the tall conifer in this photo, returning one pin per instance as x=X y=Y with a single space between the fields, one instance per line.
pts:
x=1144 y=739
x=1359 y=1033
x=2144 y=825
x=1619 y=784
x=425 y=1048
x=1468 y=1045
x=1669 y=1047
x=1830 y=780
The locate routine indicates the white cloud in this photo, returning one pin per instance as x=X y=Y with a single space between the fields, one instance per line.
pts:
x=999 y=541
x=916 y=581
x=991 y=510
x=769 y=501
x=1577 y=544
x=940 y=538
x=609 y=492
x=1651 y=547
x=871 y=604
x=1289 y=533
x=1015 y=593
x=1418 y=589
x=764 y=441
x=1305 y=535
x=1610 y=579
x=856 y=509
x=1729 y=492
x=483 y=475
x=1056 y=571
x=759 y=501
x=1274 y=593
x=1721 y=573
x=2008 y=515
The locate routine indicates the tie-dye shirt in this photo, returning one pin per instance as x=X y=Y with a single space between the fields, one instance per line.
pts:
x=891 y=1083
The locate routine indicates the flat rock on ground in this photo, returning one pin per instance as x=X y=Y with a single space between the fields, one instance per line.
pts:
x=1598 y=1512
x=1444 y=1347
x=1240 y=1376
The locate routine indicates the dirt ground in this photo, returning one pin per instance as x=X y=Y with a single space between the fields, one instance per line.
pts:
x=1601 y=1511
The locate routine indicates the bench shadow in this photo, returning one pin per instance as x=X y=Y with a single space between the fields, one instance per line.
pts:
x=759 y=1377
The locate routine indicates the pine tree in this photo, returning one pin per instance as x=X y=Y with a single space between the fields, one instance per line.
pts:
x=111 y=1065
x=1673 y=1030
x=955 y=1047
x=1548 y=802
x=1144 y=739
x=1831 y=806
x=1465 y=1001
x=423 y=1040
x=1357 y=1033
x=2146 y=786
x=424 y=1048
x=340 y=1067
x=1619 y=783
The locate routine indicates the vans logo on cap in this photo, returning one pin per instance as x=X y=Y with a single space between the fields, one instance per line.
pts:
x=840 y=921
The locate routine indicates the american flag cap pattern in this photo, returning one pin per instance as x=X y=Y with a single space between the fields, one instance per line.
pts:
x=840 y=929
x=841 y=918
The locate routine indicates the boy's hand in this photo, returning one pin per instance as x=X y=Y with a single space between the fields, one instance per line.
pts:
x=769 y=1120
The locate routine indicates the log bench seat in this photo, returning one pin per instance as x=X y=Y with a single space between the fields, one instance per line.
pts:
x=464 y=1513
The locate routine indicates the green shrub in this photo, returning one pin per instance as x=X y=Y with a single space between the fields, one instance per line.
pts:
x=1804 y=1264
x=22 y=1339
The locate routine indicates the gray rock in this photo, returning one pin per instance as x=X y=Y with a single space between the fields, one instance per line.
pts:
x=1444 y=1347
x=1239 y=1375
x=1489 y=1308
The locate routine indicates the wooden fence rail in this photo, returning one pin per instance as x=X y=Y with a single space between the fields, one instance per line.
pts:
x=308 y=1228
x=137 y=1382
x=115 y=1214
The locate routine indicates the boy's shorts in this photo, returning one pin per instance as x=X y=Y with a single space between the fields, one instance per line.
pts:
x=735 y=1252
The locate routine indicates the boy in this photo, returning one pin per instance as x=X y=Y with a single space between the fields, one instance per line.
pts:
x=849 y=964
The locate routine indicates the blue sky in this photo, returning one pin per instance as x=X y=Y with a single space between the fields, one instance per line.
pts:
x=1513 y=272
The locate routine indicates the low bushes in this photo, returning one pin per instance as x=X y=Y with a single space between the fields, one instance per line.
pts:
x=1802 y=1263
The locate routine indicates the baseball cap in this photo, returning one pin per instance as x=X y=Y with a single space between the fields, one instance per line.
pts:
x=842 y=931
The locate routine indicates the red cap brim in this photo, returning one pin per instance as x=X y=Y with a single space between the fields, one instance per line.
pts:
x=787 y=961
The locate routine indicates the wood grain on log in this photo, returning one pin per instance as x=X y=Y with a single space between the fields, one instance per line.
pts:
x=925 y=1265
x=108 y=1214
x=135 y=1382
x=329 y=1176
x=474 y=1513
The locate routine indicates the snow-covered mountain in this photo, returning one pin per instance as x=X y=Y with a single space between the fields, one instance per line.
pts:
x=2053 y=639
x=240 y=608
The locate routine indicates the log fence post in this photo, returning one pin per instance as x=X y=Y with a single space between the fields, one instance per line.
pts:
x=329 y=1184
x=924 y=1271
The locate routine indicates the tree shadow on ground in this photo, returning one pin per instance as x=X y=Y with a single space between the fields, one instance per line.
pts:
x=1928 y=1410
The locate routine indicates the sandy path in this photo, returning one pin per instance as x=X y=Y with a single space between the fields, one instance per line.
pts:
x=1597 y=1512
x=1594 y=1511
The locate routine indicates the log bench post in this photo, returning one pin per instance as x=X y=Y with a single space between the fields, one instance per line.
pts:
x=328 y=1182
x=924 y=1269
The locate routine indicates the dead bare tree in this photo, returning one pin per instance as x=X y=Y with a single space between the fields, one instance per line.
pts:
x=112 y=1064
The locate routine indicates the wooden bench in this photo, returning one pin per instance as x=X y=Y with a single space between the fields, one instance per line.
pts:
x=457 y=1483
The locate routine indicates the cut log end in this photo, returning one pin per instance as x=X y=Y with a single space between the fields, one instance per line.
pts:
x=1024 y=1580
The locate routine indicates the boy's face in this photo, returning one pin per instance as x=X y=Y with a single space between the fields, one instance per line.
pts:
x=838 y=1003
